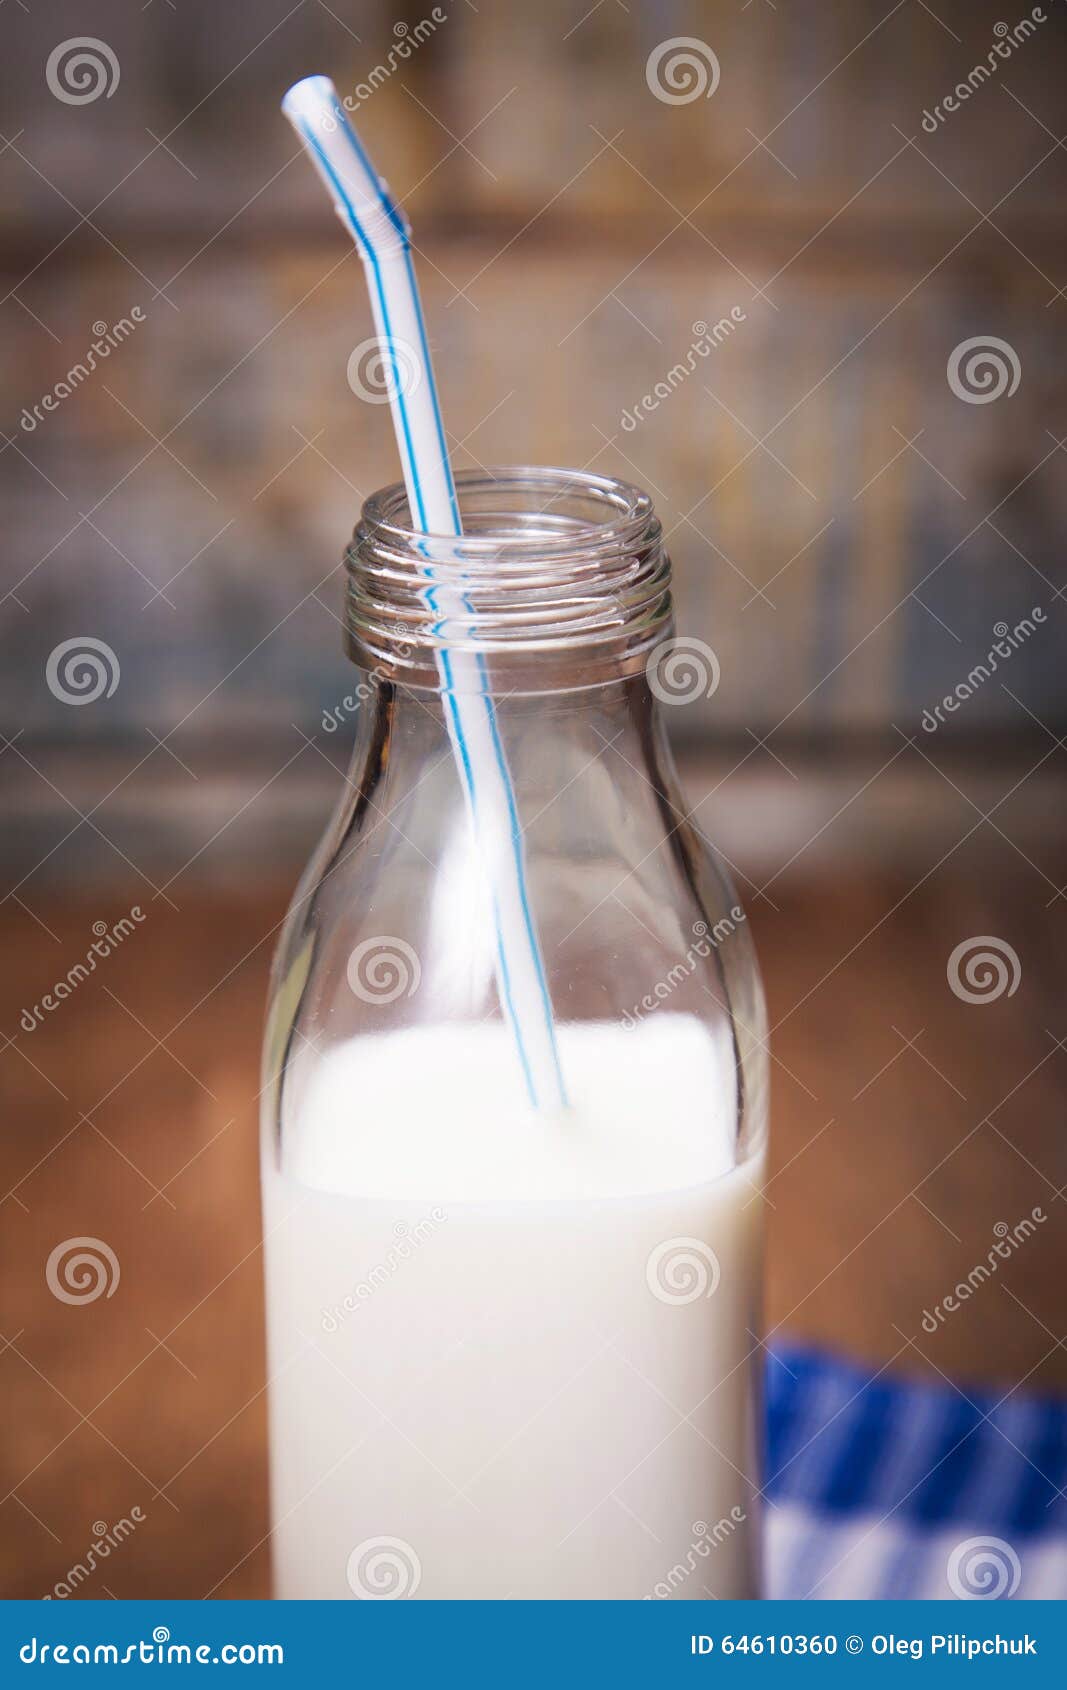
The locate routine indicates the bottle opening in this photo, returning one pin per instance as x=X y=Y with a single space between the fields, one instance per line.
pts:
x=559 y=579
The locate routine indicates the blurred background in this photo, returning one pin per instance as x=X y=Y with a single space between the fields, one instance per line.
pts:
x=863 y=488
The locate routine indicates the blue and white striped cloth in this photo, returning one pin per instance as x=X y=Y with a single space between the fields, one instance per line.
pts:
x=879 y=1487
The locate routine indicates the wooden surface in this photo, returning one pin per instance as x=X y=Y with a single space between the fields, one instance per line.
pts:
x=819 y=481
x=907 y=1124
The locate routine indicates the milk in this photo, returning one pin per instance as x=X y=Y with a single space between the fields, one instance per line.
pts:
x=510 y=1355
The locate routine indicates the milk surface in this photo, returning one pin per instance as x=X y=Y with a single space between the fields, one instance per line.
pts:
x=512 y=1356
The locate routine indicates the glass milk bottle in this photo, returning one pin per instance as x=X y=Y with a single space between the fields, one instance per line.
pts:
x=512 y=1352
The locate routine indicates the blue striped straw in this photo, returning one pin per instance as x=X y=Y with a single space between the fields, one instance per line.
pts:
x=382 y=237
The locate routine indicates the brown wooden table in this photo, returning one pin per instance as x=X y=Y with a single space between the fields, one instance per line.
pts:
x=906 y=1125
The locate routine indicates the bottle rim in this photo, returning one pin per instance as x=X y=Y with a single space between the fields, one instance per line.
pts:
x=619 y=511
x=559 y=579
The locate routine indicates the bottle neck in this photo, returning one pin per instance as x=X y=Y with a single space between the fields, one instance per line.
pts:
x=584 y=762
x=558 y=582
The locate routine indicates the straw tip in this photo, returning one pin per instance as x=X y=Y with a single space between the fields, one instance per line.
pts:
x=307 y=97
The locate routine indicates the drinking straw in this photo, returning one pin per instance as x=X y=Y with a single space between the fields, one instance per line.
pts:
x=382 y=237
